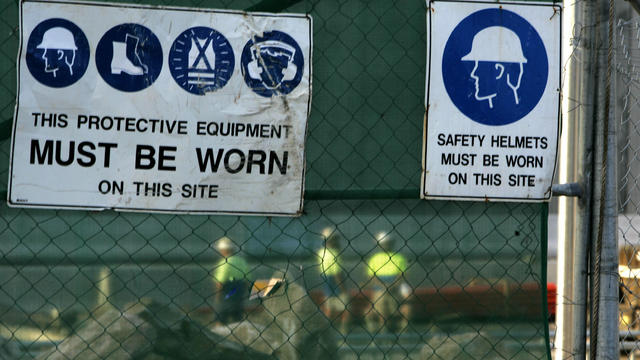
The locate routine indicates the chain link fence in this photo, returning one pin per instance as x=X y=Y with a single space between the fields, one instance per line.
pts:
x=626 y=70
x=110 y=285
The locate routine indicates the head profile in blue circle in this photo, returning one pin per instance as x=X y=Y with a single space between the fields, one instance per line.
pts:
x=272 y=64
x=57 y=53
x=495 y=67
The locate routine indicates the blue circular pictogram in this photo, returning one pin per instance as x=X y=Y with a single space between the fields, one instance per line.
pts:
x=272 y=64
x=201 y=60
x=495 y=67
x=129 y=57
x=57 y=53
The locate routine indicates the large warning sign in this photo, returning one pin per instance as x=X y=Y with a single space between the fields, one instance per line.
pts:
x=492 y=101
x=160 y=109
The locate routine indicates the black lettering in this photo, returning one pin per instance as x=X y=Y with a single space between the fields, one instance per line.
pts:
x=35 y=119
x=447 y=159
x=70 y=155
x=522 y=161
x=276 y=131
x=171 y=125
x=186 y=191
x=48 y=119
x=208 y=159
x=163 y=156
x=166 y=189
x=223 y=132
x=42 y=155
x=62 y=120
x=458 y=159
x=107 y=151
x=487 y=179
x=282 y=165
x=239 y=128
x=490 y=160
x=89 y=155
x=213 y=191
x=259 y=161
x=227 y=165
x=82 y=119
x=200 y=128
x=252 y=130
x=182 y=127
x=93 y=120
x=145 y=152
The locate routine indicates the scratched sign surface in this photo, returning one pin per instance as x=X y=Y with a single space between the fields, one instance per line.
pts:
x=179 y=110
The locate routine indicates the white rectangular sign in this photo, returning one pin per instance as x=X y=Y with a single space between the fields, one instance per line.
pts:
x=492 y=101
x=163 y=109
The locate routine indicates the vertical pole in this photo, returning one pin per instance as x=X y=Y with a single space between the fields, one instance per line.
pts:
x=575 y=165
x=605 y=333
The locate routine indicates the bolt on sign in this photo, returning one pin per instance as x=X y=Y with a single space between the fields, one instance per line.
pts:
x=492 y=101
x=141 y=108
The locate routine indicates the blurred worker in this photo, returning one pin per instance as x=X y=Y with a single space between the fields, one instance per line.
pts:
x=386 y=271
x=331 y=270
x=231 y=278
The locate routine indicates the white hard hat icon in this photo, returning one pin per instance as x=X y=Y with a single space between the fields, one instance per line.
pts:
x=57 y=38
x=496 y=44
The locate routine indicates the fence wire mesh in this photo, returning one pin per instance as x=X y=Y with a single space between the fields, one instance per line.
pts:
x=110 y=285
x=627 y=76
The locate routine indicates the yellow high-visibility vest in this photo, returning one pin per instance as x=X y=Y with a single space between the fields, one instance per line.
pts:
x=330 y=263
x=231 y=269
x=386 y=264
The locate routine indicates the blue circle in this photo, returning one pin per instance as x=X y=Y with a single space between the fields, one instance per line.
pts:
x=201 y=60
x=272 y=64
x=129 y=57
x=57 y=53
x=507 y=105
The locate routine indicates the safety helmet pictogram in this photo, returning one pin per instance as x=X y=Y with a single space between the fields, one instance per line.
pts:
x=57 y=38
x=496 y=44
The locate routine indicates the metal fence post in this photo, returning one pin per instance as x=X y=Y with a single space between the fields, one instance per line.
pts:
x=575 y=165
x=605 y=278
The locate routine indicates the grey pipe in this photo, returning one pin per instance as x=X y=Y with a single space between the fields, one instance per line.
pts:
x=579 y=88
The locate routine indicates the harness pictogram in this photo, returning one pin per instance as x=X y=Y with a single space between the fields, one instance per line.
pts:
x=201 y=60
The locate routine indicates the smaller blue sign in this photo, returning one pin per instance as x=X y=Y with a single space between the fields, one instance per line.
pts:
x=201 y=60
x=129 y=57
x=57 y=53
x=495 y=67
x=272 y=64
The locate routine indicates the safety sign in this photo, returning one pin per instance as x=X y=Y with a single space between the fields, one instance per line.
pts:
x=492 y=100
x=163 y=109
